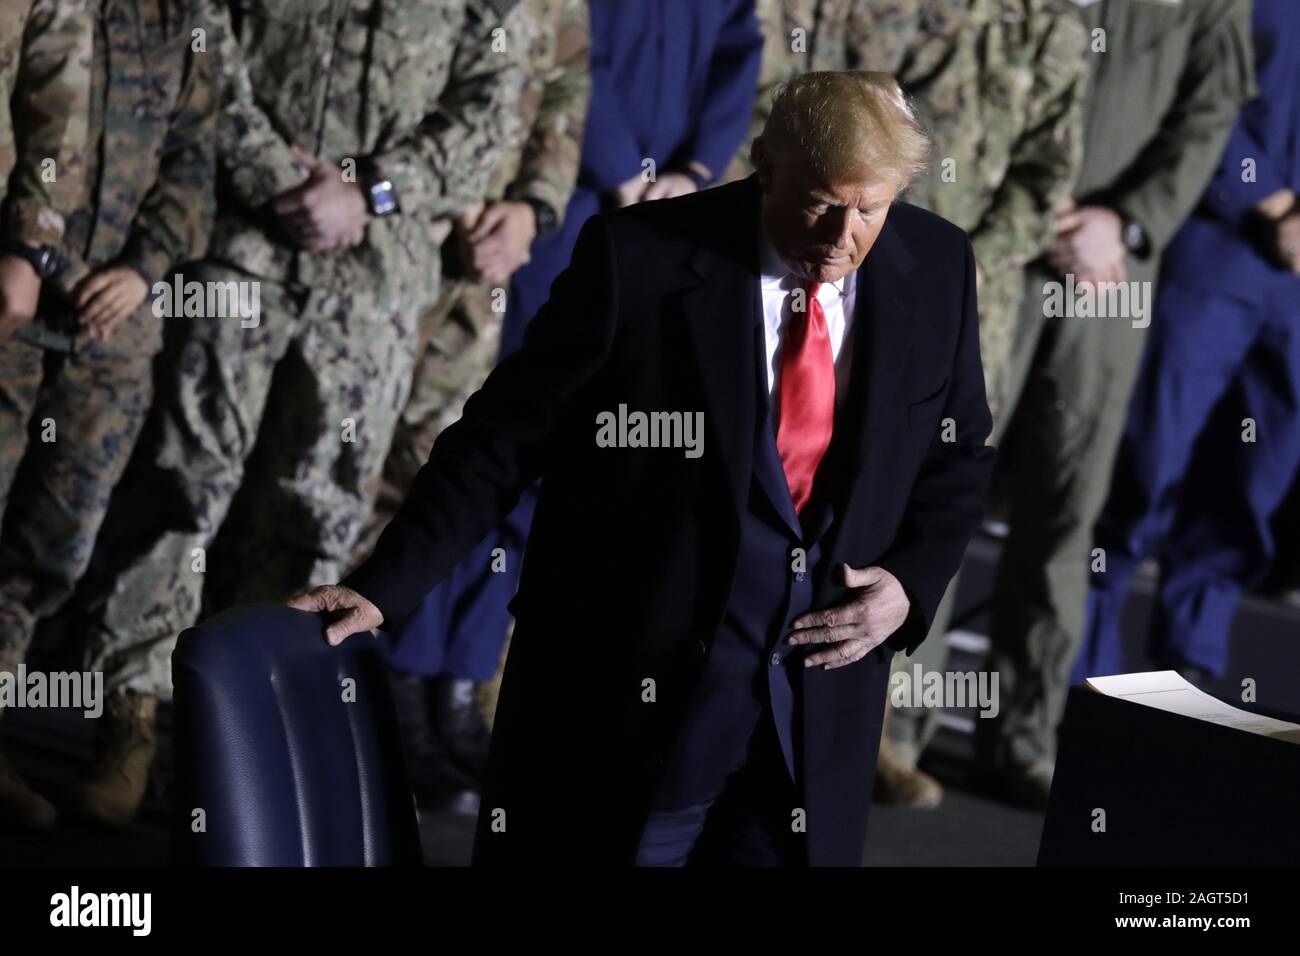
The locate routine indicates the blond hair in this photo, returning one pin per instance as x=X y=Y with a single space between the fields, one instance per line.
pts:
x=847 y=126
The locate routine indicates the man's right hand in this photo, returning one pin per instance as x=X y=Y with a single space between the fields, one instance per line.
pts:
x=631 y=192
x=20 y=289
x=351 y=612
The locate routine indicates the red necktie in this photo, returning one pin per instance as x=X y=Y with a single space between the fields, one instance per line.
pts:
x=807 y=406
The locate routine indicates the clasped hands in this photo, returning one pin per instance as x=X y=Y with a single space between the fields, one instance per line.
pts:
x=1089 y=244
x=102 y=299
x=325 y=212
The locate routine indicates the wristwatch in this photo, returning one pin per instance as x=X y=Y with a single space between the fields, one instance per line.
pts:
x=547 y=220
x=380 y=195
x=701 y=181
x=1135 y=238
x=44 y=260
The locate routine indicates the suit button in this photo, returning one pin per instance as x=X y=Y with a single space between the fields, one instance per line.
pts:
x=776 y=658
x=701 y=648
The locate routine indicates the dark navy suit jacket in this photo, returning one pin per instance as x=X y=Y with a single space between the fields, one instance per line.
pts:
x=633 y=554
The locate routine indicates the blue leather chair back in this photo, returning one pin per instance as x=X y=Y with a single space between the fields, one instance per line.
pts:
x=288 y=746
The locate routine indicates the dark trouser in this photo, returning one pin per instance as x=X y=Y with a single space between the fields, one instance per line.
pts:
x=1071 y=377
x=1189 y=488
x=751 y=822
x=461 y=626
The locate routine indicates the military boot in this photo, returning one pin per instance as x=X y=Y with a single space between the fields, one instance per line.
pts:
x=900 y=784
x=458 y=721
x=20 y=804
x=898 y=781
x=439 y=784
x=125 y=744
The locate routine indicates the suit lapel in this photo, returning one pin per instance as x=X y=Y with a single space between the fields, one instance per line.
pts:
x=883 y=317
x=719 y=314
x=884 y=321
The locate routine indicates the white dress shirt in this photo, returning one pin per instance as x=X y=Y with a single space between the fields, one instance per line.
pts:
x=777 y=281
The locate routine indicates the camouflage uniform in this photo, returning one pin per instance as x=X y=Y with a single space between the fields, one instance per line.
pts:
x=420 y=88
x=461 y=334
x=799 y=36
x=1003 y=106
x=71 y=408
x=1000 y=85
x=45 y=80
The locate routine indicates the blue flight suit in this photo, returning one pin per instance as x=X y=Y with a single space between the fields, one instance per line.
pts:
x=673 y=81
x=1224 y=346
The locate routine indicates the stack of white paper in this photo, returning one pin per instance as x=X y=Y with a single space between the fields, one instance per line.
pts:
x=1166 y=690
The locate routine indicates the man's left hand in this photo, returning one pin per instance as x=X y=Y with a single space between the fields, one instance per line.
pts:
x=500 y=240
x=1089 y=244
x=853 y=630
x=669 y=186
x=107 y=296
x=325 y=212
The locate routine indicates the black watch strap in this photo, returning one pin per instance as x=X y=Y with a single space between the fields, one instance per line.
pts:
x=701 y=181
x=1135 y=238
x=547 y=220
x=44 y=260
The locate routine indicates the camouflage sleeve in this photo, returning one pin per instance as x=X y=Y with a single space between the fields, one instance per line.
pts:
x=50 y=105
x=881 y=33
x=446 y=164
x=255 y=160
x=175 y=217
x=1168 y=178
x=548 y=168
x=1045 y=161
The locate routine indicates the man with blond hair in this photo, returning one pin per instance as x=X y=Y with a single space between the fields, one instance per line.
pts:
x=705 y=628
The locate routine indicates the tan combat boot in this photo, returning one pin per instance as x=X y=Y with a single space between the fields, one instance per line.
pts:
x=20 y=804
x=899 y=783
x=125 y=744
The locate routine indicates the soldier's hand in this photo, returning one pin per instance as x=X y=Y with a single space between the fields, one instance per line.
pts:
x=107 y=296
x=500 y=240
x=853 y=630
x=349 y=612
x=631 y=191
x=669 y=185
x=324 y=213
x=20 y=290
x=467 y=219
x=1089 y=242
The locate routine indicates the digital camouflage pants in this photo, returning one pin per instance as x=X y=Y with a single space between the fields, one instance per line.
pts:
x=68 y=424
x=289 y=421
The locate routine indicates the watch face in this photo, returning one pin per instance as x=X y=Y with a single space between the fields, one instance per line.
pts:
x=383 y=200
x=545 y=218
